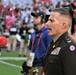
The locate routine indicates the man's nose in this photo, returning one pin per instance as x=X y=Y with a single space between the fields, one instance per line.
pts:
x=47 y=23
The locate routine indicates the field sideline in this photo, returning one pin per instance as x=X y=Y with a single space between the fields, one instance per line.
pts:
x=10 y=63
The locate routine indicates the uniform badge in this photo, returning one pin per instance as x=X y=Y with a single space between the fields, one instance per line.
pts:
x=56 y=51
x=72 y=47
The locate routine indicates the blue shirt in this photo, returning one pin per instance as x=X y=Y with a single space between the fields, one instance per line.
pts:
x=39 y=42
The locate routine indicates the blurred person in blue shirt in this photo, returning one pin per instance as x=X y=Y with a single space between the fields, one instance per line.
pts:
x=38 y=44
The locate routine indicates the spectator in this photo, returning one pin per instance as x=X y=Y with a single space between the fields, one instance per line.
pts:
x=12 y=38
x=23 y=44
x=18 y=19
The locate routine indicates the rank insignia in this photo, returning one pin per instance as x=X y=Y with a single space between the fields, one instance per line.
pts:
x=72 y=47
x=56 y=51
x=69 y=41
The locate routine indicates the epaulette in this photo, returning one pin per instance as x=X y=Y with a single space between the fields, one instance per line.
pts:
x=70 y=43
x=68 y=40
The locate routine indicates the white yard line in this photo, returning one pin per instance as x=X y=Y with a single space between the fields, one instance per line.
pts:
x=13 y=58
x=13 y=65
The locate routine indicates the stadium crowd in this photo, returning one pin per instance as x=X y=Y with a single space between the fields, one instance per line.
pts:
x=18 y=11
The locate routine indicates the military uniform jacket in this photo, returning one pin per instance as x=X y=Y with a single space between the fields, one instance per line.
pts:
x=60 y=58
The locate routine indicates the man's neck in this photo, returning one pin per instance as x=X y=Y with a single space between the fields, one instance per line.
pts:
x=56 y=38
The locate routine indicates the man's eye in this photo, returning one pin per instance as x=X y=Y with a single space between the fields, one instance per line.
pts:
x=51 y=20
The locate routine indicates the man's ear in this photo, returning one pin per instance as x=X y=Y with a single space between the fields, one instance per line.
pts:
x=63 y=25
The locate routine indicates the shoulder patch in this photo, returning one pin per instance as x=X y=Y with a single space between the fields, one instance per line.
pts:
x=72 y=47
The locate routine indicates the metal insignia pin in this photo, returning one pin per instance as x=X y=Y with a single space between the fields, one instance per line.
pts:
x=53 y=46
x=69 y=41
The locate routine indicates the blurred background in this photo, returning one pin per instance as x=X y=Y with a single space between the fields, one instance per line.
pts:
x=16 y=13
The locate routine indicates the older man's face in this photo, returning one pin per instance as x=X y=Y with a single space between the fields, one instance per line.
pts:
x=54 y=24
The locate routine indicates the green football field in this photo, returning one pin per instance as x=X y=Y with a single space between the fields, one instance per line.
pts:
x=10 y=63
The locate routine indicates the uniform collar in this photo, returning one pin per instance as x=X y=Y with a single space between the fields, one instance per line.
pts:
x=61 y=37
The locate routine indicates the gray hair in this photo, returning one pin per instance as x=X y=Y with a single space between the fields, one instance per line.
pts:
x=64 y=12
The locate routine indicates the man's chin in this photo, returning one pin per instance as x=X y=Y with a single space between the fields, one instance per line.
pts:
x=49 y=34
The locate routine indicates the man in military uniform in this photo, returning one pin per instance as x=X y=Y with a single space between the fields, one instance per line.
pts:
x=60 y=58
